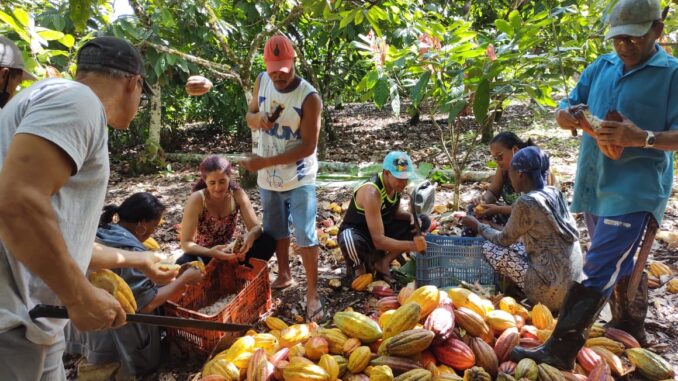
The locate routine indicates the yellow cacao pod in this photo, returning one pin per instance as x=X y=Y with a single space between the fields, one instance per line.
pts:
x=409 y=343
x=596 y=330
x=500 y=320
x=613 y=346
x=350 y=345
x=672 y=286
x=222 y=367
x=304 y=372
x=526 y=368
x=542 y=317
x=508 y=304
x=274 y=323
x=361 y=282
x=427 y=297
x=462 y=297
x=404 y=318
x=297 y=350
x=381 y=373
x=359 y=359
x=335 y=338
x=116 y=286
x=385 y=317
x=330 y=365
x=658 y=269
x=294 y=334
x=355 y=324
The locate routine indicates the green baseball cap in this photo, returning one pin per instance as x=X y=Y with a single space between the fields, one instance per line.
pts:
x=633 y=17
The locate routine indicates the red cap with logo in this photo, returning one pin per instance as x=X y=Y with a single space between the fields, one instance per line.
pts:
x=279 y=54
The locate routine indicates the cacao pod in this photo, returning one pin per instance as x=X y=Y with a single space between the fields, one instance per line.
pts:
x=650 y=364
x=281 y=354
x=259 y=369
x=508 y=304
x=609 y=344
x=361 y=282
x=381 y=373
x=462 y=297
x=297 y=350
x=300 y=360
x=485 y=356
x=343 y=363
x=427 y=297
x=548 y=373
x=267 y=342
x=356 y=377
x=222 y=367
x=415 y=375
x=304 y=372
x=294 y=334
x=473 y=324
x=454 y=353
x=385 y=317
x=588 y=359
x=441 y=323
x=427 y=358
x=447 y=377
x=476 y=374
x=335 y=338
x=387 y=303
x=355 y=324
x=505 y=343
x=504 y=377
x=404 y=318
x=596 y=330
x=197 y=85
x=274 y=323
x=398 y=365
x=600 y=372
x=658 y=269
x=529 y=331
x=330 y=365
x=315 y=347
x=542 y=317
x=383 y=292
x=405 y=293
x=672 y=286
x=359 y=359
x=622 y=337
x=409 y=343
x=116 y=286
x=526 y=368
x=499 y=320
x=508 y=367
x=612 y=360
x=350 y=345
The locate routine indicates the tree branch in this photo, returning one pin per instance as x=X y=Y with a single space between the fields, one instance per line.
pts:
x=213 y=21
x=219 y=70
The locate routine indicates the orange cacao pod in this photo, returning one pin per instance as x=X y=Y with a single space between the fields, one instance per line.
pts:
x=315 y=347
x=198 y=85
x=427 y=297
x=542 y=317
x=454 y=353
x=361 y=282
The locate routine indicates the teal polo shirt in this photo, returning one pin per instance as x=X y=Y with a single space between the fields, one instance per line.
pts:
x=641 y=180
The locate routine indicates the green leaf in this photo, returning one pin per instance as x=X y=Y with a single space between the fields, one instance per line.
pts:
x=491 y=164
x=378 y=13
x=515 y=19
x=22 y=16
x=347 y=19
x=424 y=169
x=372 y=78
x=419 y=89
x=481 y=101
x=381 y=93
x=50 y=35
x=395 y=104
x=504 y=26
x=456 y=108
x=67 y=40
x=359 y=17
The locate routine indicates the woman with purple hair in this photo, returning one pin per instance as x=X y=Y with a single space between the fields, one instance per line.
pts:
x=211 y=215
x=538 y=249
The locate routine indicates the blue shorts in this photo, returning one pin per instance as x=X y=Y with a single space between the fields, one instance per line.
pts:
x=298 y=206
x=614 y=242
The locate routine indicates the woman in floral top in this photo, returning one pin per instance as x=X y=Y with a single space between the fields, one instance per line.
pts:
x=211 y=216
x=548 y=257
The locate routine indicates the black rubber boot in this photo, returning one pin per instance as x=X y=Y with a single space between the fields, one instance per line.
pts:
x=630 y=315
x=577 y=313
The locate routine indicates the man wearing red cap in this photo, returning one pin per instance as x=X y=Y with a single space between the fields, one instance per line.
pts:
x=286 y=110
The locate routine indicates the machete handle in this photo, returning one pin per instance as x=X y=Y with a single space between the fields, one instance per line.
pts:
x=47 y=311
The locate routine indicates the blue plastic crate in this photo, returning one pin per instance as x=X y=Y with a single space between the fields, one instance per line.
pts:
x=449 y=260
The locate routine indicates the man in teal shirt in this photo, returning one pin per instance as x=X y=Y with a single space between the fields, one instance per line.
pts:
x=618 y=197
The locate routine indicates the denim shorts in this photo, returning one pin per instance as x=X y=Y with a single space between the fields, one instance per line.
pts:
x=297 y=206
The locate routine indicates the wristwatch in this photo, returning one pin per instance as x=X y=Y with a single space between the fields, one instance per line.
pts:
x=650 y=139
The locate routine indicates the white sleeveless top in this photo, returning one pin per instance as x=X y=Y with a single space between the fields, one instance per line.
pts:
x=284 y=136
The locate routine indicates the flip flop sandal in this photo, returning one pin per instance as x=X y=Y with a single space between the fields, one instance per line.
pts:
x=291 y=284
x=322 y=309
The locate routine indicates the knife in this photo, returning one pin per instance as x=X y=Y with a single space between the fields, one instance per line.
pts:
x=60 y=312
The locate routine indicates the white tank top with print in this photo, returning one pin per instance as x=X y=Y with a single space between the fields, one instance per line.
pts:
x=284 y=136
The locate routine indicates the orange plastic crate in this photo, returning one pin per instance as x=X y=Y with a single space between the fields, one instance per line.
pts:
x=222 y=278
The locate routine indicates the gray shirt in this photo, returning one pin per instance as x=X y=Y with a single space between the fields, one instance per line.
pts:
x=71 y=116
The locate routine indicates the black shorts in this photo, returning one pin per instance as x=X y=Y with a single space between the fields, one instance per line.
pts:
x=357 y=246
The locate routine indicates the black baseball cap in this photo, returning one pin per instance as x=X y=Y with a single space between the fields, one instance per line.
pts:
x=114 y=53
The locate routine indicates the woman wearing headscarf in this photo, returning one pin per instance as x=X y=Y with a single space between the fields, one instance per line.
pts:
x=538 y=249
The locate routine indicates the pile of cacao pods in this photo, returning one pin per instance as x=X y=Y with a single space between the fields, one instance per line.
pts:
x=426 y=334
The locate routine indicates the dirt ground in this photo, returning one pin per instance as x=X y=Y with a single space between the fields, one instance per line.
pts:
x=367 y=135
